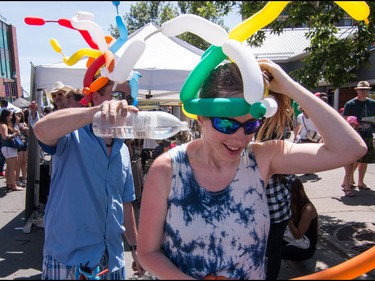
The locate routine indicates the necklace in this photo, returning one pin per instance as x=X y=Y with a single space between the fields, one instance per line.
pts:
x=109 y=145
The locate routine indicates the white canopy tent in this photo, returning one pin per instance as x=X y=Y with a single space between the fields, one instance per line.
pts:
x=164 y=66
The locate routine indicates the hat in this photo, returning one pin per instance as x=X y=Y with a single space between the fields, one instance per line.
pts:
x=352 y=119
x=320 y=94
x=57 y=86
x=364 y=85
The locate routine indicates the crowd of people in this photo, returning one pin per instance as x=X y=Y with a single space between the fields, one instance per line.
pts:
x=215 y=183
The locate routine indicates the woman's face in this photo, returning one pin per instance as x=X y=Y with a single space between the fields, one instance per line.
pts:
x=227 y=144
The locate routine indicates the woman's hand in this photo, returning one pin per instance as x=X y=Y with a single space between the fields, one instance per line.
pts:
x=280 y=79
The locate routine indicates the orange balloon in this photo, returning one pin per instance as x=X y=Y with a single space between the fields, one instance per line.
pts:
x=349 y=269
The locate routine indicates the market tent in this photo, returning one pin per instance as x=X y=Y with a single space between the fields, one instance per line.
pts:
x=21 y=103
x=164 y=65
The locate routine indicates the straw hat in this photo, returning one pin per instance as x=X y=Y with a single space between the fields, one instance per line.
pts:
x=363 y=85
x=58 y=86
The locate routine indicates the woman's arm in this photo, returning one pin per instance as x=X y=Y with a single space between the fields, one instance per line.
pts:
x=132 y=236
x=152 y=218
x=341 y=146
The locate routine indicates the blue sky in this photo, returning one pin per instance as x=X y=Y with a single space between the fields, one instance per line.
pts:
x=34 y=41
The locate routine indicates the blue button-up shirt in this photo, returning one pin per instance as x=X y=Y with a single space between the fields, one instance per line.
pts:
x=84 y=212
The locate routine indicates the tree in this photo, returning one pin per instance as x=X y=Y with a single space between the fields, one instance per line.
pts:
x=329 y=58
x=158 y=12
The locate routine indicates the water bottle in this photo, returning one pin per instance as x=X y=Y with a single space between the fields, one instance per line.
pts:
x=141 y=125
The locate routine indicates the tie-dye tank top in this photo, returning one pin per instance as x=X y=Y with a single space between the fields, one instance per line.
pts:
x=217 y=233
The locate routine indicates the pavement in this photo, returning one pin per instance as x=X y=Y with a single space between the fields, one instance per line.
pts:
x=347 y=229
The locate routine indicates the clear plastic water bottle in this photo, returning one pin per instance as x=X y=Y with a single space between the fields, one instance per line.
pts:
x=141 y=125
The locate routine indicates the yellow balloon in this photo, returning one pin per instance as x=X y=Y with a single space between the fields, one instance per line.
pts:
x=192 y=116
x=257 y=21
x=358 y=10
x=55 y=45
x=80 y=53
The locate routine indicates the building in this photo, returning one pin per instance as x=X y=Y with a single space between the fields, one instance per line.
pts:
x=10 y=84
x=288 y=50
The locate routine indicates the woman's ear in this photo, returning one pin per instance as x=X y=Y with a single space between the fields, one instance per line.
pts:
x=200 y=119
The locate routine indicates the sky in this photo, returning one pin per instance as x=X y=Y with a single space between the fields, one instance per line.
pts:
x=34 y=46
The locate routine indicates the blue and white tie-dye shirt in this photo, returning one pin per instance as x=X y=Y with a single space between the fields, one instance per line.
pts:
x=219 y=233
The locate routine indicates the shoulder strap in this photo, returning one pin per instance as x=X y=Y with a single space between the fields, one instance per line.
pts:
x=303 y=120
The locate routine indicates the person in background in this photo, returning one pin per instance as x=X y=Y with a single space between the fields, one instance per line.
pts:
x=278 y=196
x=163 y=146
x=304 y=125
x=362 y=107
x=296 y=112
x=302 y=231
x=204 y=212
x=322 y=95
x=73 y=98
x=89 y=208
x=350 y=168
x=58 y=95
x=10 y=153
x=20 y=125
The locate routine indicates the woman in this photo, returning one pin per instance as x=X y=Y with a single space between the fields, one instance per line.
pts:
x=21 y=126
x=348 y=182
x=9 y=152
x=304 y=125
x=204 y=211
x=303 y=225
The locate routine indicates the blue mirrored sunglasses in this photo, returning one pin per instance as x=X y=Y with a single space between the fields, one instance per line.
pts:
x=230 y=126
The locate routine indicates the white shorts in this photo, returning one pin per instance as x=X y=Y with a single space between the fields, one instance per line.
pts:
x=9 y=152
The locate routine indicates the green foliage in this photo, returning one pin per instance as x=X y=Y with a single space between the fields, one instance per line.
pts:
x=329 y=58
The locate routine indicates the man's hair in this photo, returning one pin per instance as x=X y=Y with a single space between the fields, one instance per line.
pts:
x=4 y=103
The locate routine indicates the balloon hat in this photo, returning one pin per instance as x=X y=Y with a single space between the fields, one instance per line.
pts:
x=102 y=58
x=256 y=100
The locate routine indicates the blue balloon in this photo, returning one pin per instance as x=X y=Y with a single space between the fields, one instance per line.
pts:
x=116 y=3
x=123 y=35
x=135 y=103
x=133 y=83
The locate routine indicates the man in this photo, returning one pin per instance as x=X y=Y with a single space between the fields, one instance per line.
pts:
x=89 y=207
x=58 y=95
x=323 y=96
x=361 y=107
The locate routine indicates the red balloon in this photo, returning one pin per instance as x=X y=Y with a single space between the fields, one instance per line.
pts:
x=85 y=34
x=65 y=23
x=93 y=68
x=34 y=21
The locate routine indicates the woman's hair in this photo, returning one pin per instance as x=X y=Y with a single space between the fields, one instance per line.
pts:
x=4 y=115
x=226 y=81
x=298 y=199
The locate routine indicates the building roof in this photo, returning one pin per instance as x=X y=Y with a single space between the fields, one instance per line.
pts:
x=290 y=43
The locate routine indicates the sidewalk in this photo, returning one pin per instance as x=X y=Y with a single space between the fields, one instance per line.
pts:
x=347 y=229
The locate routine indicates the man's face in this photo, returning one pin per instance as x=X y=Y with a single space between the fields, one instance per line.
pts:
x=106 y=92
x=363 y=92
x=72 y=100
x=59 y=99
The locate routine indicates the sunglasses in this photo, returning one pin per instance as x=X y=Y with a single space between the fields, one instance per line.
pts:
x=59 y=94
x=230 y=126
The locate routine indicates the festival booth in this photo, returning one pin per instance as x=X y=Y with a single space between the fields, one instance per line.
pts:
x=164 y=66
